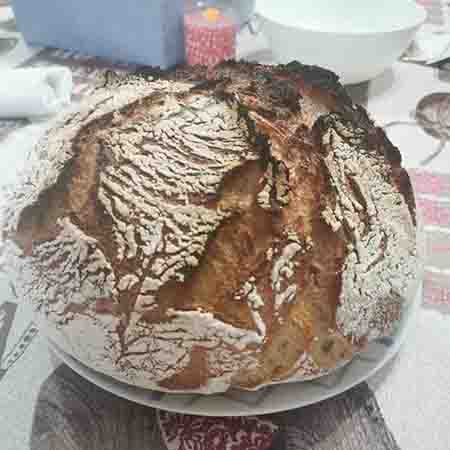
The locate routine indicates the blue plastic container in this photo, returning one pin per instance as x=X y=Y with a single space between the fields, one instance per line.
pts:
x=148 y=32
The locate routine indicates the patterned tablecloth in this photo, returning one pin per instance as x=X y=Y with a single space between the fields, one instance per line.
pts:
x=44 y=405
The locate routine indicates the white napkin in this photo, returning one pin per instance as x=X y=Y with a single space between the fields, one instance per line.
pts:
x=35 y=92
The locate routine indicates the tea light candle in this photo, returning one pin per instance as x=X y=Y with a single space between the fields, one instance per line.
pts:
x=210 y=37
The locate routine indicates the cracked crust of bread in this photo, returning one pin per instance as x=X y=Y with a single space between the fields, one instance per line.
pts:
x=188 y=231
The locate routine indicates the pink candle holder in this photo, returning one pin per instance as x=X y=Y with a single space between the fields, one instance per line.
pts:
x=210 y=37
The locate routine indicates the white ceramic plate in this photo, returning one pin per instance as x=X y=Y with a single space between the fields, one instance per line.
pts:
x=271 y=399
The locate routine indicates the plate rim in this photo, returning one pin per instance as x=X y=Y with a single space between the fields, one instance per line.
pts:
x=143 y=396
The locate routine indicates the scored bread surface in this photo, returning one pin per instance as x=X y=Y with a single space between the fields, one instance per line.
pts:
x=192 y=232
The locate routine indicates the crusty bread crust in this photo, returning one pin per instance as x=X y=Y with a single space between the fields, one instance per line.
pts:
x=194 y=230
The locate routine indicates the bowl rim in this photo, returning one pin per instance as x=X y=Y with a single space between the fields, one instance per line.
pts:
x=414 y=24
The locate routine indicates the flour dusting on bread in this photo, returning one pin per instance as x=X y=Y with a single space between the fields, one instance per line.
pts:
x=195 y=232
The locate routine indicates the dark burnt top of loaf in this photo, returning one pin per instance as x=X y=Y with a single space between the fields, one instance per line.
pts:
x=279 y=88
x=271 y=77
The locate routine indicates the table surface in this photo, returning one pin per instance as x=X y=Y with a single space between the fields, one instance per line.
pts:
x=44 y=405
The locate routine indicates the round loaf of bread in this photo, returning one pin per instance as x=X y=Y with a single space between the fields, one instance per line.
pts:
x=192 y=231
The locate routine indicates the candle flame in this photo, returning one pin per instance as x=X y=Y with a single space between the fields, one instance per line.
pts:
x=212 y=14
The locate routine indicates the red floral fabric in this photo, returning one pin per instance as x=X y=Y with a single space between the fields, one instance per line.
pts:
x=183 y=432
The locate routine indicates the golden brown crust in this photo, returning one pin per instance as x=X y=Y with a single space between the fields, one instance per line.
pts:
x=224 y=224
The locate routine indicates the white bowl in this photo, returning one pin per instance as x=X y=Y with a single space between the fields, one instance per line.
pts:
x=357 y=39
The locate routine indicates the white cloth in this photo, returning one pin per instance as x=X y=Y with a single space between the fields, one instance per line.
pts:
x=35 y=92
